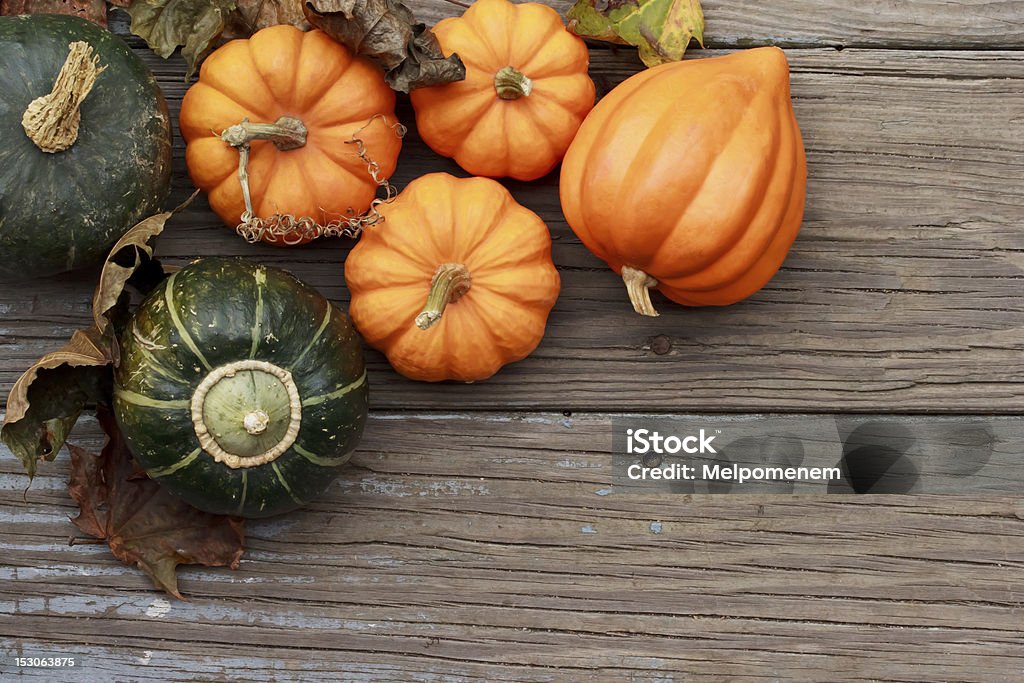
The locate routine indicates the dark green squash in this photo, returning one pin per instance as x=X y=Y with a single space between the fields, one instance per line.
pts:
x=240 y=388
x=64 y=209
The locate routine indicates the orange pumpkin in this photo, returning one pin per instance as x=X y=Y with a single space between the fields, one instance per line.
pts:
x=691 y=177
x=306 y=77
x=456 y=282
x=525 y=94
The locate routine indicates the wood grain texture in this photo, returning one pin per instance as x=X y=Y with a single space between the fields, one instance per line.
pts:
x=976 y=24
x=886 y=24
x=903 y=289
x=491 y=547
x=477 y=538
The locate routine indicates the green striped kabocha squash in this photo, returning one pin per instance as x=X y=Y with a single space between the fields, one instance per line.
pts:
x=239 y=388
x=85 y=143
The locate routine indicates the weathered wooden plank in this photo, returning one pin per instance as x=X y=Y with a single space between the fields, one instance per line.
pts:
x=903 y=289
x=980 y=24
x=921 y=24
x=489 y=547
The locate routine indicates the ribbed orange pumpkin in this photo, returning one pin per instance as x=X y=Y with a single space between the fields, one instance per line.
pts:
x=525 y=94
x=691 y=177
x=456 y=282
x=282 y=72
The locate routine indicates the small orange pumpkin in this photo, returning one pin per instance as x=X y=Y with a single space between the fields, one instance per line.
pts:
x=456 y=282
x=311 y=169
x=525 y=94
x=691 y=177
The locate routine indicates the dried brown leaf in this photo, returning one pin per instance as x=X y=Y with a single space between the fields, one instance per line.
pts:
x=93 y=10
x=386 y=31
x=88 y=488
x=252 y=15
x=193 y=25
x=47 y=399
x=198 y=26
x=126 y=258
x=45 y=402
x=143 y=524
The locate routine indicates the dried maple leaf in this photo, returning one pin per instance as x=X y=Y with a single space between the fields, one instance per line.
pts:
x=386 y=31
x=93 y=10
x=661 y=29
x=143 y=524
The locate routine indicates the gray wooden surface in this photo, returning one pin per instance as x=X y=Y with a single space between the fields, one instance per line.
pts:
x=477 y=536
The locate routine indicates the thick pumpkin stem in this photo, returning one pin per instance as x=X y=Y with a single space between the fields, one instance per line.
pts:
x=450 y=283
x=638 y=285
x=286 y=133
x=52 y=121
x=511 y=84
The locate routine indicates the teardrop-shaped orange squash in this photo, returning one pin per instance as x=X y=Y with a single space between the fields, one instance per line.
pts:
x=691 y=177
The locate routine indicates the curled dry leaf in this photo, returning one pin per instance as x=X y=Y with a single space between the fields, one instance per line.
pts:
x=47 y=399
x=661 y=29
x=252 y=15
x=45 y=402
x=198 y=26
x=131 y=259
x=93 y=10
x=383 y=30
x=167 y=24
x=386 y=31
x=143 y=524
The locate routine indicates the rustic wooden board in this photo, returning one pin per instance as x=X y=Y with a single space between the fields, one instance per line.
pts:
x=492 y=547
x=905 y=280
x=477 y=536
x=981 y=24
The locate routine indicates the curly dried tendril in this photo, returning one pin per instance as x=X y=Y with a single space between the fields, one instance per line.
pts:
x=288 y=133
